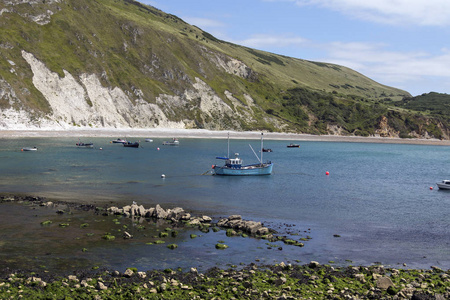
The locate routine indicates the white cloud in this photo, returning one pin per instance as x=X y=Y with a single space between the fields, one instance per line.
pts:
x=419 y=12
x=404 y=69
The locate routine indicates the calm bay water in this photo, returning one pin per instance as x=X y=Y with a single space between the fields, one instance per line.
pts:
x=377 y=197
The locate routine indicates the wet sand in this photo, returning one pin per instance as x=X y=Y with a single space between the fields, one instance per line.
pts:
x=209 y=134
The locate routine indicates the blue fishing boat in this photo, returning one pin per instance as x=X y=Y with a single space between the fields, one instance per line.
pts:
x=234 y=166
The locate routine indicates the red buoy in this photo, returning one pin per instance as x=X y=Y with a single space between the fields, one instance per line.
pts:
x=327 y=173
x=431 y=187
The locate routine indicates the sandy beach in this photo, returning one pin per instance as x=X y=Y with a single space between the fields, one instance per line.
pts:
x=209 y=134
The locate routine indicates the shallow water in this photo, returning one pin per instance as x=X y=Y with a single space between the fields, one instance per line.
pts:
x=377 y=197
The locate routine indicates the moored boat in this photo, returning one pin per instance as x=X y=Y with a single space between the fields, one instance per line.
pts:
x=174 y=142
x=267 y=150
x=29 y=149
x=234 y=166
x=131 y=145
x=444 y=184
x=119 y=141
x=292 y=145
x=85 y=145
x=149 y=140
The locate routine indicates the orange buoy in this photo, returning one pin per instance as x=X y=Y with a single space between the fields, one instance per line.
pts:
x=327 y=173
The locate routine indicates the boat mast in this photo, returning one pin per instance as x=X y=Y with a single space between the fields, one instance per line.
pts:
x=228 y=154
x=262 y=147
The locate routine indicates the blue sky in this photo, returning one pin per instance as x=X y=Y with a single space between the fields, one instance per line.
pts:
x=400 y=43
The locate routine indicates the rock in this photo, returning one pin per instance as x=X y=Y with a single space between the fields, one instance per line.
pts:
x=360 y=278
x=234 y=217
x=142 y=275
x=126 y=209
x=140 y=211
x=262 y=231
x=128 y=273
x=280 y=281
x=222 y=222
x=101 y=286
x=195 y=221
x=159 y=212
x=175 y=213
x=150 y=212
x=314 y=264
x=384 y=283
x=206 y=219
x=186 y=216
x=252 y=227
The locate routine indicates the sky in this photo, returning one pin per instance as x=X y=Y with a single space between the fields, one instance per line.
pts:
x=399 y=43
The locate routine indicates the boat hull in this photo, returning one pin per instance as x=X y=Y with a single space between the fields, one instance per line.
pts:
x=250 y=170
x=83 y=145
x=132 y=145
x=443 y=186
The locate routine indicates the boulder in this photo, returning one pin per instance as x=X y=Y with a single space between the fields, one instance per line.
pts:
x=235 y=217
x=126 y=209
x=252 y=226
x=128 y=273
x=175 y=213
x=101 y=286
x=222 y=222
x=150 y=212
x=206 y=219
x=262 y=231
x=159 y=212
x=384 y=283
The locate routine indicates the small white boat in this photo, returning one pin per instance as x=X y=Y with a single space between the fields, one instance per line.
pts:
x=174 y=142
x=85 y=145
x=148 y=140
x=444 y=185
x=29 y=149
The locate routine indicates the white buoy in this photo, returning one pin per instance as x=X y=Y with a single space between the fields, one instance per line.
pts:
x=163 y=176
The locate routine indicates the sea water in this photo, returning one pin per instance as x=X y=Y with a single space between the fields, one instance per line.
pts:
x=375 y=205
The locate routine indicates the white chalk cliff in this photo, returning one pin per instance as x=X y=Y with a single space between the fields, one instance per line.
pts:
x=84 y=102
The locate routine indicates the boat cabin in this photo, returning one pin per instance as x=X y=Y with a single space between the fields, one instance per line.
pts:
x=235 y=162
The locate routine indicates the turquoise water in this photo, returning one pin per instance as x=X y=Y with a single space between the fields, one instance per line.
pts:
x=377 y=197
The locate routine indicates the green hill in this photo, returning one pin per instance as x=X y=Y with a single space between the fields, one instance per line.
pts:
x=119 y=63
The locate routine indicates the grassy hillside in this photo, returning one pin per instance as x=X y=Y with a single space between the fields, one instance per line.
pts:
x=137 y=47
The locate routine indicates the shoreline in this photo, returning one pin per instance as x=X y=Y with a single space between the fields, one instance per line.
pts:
x=210 y=134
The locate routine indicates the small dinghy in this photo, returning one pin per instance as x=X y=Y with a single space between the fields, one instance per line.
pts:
x=29 y=149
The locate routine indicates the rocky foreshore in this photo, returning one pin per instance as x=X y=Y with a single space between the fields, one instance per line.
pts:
x=279 y=281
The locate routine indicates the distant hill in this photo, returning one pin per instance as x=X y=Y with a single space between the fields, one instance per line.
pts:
x=123 y=64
